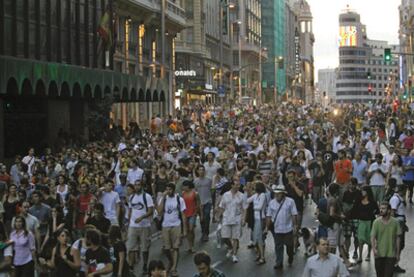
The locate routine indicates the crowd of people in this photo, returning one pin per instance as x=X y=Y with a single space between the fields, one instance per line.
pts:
x=93 y=209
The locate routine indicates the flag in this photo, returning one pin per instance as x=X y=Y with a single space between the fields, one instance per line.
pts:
x=104 y=29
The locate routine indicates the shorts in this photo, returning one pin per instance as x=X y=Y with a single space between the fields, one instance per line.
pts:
x=171 y=236
x=139 y=239
x=350 y=227
x=191 y=220
x=231 y=231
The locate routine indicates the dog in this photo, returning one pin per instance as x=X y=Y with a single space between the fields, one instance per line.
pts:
x=309 y=240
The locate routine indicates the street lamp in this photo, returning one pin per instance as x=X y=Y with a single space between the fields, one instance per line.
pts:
x=264 y=49
x=231 y=58
x=221 y=11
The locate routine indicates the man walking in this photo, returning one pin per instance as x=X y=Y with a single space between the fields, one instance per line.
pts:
x=385 y=241
x=203 y=185
x=377 y=173
x=282 y=214
x=171 y=208
x=203 y=263
x=324 y=263
x=141 y=208
x=232 y=208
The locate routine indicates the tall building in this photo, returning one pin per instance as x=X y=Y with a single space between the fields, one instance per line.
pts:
x=218 y=34
x=63 y=60
x=273 y=38
x=306 y=89
x=406 y=36
x=292 y=50
x=363 y=75
x=327 y=83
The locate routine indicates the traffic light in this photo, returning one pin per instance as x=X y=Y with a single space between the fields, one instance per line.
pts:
x=387 y=54
x=280 y=62
x=369 y=88
x=369 y=75
x=405 y=96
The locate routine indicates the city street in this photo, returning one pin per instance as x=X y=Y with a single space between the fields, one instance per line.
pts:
x=247 y=266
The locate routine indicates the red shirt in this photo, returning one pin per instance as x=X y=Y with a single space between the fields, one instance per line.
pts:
x=82 y=206
x=342 y=170
x=190 y=200
x=408 y=142
x=5 y=178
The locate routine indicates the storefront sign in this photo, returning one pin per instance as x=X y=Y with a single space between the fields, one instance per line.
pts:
x=209 y=87
x=185 y=73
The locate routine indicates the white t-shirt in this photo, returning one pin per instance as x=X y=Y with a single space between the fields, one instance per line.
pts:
x=134 y=175
x=397 y=204
x=109 y=200
x=211 y=170
x=7 y=252
x=82 y=251
x=233 y=206
x=377 y=179
x=137 y=206
x=171 y=215
x=30 y=162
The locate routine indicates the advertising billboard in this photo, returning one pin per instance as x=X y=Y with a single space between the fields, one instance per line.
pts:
x=347 y=36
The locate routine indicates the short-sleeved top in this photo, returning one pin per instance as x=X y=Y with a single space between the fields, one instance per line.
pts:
x=109 y=200
x=397 y=204
x=171 y=213
x=97 y=259
x=342 y=169
x=114 y=251
x=203 y=187
x=259 y=205
x=24 y=244
x=376 y=178
x=233 y=205
x=41 y=212
x=7 y=252
x=409 y=174
x=386 y=235
x=138 y=209
x=284 y=221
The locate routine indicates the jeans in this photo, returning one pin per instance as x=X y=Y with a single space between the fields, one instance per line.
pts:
x=384 y=267
x=280 y=241
x=205 y=223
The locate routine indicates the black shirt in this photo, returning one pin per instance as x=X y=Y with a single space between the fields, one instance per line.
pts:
x=291 y=192
x=95 y=258
x=114 y=251
x=102 y=224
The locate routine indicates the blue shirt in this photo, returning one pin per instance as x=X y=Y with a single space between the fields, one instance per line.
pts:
x=359 y=170
x=409 y=174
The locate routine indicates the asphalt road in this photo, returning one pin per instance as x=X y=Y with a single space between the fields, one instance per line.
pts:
x=247 y=266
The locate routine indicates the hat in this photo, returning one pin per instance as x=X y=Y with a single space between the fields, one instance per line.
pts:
x=173 y=150
x=279 y=189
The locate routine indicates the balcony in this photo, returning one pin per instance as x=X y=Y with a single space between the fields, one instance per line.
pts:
x=185 y=47
x=174 y=13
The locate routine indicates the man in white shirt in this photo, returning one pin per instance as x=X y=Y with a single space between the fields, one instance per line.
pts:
x=141 y=208
x=29 y=160
x=377 y=173
x=283 y=214
x=110 y=200
x=398 y=204
x=372 y=145
x=232 y=207
x=134 y=173
x=171 y=209
x=211 y=166
x=389 y=156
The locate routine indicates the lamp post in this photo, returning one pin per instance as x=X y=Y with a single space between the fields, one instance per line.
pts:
x=223 y=6
x=231 y=56
x=260 y=94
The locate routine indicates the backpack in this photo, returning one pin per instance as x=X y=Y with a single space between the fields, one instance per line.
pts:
x=144 y=197
x=158 y=222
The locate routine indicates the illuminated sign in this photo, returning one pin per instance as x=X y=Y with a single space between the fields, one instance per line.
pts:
x=347 y=36
x=185 y=73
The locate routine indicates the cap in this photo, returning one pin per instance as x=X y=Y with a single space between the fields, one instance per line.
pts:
x=279 y=189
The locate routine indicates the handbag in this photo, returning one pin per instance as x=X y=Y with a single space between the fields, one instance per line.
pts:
x=272 y=224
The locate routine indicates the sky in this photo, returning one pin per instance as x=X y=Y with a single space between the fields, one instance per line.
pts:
x=381 y=18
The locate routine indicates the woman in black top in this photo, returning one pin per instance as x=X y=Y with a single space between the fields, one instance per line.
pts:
x=10 y=204
x=118 y=252
x=63 y=261
x=365 y=210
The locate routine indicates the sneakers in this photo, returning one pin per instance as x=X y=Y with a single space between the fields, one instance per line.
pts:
x=398 y=269
x=229 y=254
x=355 y=256
x=235 y=259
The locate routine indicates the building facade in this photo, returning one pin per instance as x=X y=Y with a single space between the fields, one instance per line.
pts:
x=406 y=36
x=306 y=88
x=60 y=59
x=327 y=84
x=363 y=75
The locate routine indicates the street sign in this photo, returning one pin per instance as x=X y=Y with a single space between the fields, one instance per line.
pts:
x=221 y=91
x=264 y=84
